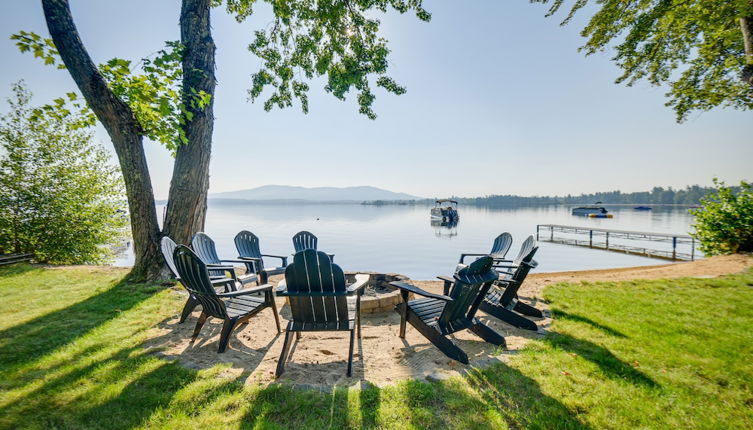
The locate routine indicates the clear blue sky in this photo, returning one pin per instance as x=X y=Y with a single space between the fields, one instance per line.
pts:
x=499 y=101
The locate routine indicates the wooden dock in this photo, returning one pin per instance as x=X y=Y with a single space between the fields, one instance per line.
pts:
x=599 y=238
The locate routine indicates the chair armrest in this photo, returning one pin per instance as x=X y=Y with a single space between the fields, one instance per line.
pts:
x=248 y=258
x=245 y=262
x=447 y=282
x=282 y=258
x=219 y=267
x=259 y=289
x=236 y=261
x=466 y=254
x=228 y=283
x=361 y=281
x=505 y=266
x=415 y=290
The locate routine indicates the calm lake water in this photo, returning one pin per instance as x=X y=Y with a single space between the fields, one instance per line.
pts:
x=401 y=239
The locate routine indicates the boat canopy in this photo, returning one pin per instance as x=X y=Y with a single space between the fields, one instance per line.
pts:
x=440 y=201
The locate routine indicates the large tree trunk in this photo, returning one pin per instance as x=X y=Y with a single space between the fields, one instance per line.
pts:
x=121 y=125
x=187 y=205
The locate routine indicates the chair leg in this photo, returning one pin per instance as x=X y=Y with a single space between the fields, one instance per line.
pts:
x=487 y=333
x=402 y=309
x=527 y=310
x=227 y=327
x=509 y=317
x=272 y=303
x=447 y=347
x=438 y=339
x=358 y=315
x=298 y=335
x=350 y=353
x=200 y=323
x=283 y=354
x=190 y=305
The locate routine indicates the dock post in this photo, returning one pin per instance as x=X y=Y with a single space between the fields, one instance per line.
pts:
x=607 y=240
x=590 y=238
x=551 y=232
x=537 y=232
x=692 y=249
x=674 y=248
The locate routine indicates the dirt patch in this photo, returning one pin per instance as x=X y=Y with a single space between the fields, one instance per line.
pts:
x=319 y=359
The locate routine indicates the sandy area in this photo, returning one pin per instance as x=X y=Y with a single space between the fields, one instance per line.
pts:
x=318 y=360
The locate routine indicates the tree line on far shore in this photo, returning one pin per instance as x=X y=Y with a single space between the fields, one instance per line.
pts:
x=690 y=196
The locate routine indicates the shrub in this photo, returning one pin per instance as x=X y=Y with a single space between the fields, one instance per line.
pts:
x=724 y=223
x=60 y=198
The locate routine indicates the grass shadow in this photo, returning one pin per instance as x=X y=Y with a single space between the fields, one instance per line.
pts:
x=40 y=336
x=560 y=314
x=519 y=399
x=612 y=366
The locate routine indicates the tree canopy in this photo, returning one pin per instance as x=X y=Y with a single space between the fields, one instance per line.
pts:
x=703 y=49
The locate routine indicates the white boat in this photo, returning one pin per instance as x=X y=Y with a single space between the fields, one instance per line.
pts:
x=445 y=210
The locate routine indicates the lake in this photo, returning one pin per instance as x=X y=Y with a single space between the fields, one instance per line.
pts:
x=401 y=239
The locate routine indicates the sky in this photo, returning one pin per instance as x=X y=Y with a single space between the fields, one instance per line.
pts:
x=499 y=101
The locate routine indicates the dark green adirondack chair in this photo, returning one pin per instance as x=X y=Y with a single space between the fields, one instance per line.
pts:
x=168 y=248
x=318 y=298
x=306 y=240
x=234 y=308
x=204 y=247
x=502 y=299
x=437 y=316
x=247 y=245
x=499 y=248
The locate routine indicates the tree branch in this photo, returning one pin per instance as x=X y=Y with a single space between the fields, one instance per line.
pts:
x=114 y=114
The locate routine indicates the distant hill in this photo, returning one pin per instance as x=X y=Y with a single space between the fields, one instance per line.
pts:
x=320 y=194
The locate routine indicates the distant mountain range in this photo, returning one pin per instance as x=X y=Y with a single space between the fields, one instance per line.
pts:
x=315 y=194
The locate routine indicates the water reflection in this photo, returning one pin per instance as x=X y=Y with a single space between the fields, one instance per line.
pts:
x=444 y=229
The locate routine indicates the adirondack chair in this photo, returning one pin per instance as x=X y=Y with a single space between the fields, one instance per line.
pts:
x=318 y=299
x=247 y=245
x=499 y=248
x=234 y=307
x=502 y=299
x=204 y=247
x=168 y=248
x=306 y=240
x=437 y=316
x=525 y=249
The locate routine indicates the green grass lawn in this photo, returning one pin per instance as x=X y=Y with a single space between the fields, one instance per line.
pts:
x=648 y=354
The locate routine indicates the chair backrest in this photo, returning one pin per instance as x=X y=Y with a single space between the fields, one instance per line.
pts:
x=168 y=247
x=518 y=276
x=204 y=247
x=525 y=249
x=247 y=245
x=304 y=240
x=471 y=284
x=501 y=245
x=195 y=277
x=316 y=288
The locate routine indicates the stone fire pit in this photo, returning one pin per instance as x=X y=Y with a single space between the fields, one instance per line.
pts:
x=379 y=295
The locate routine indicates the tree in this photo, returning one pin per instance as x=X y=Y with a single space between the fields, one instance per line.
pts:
x=702 y=48
x=336 y=39
x=60 y=198
x=724 y=223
